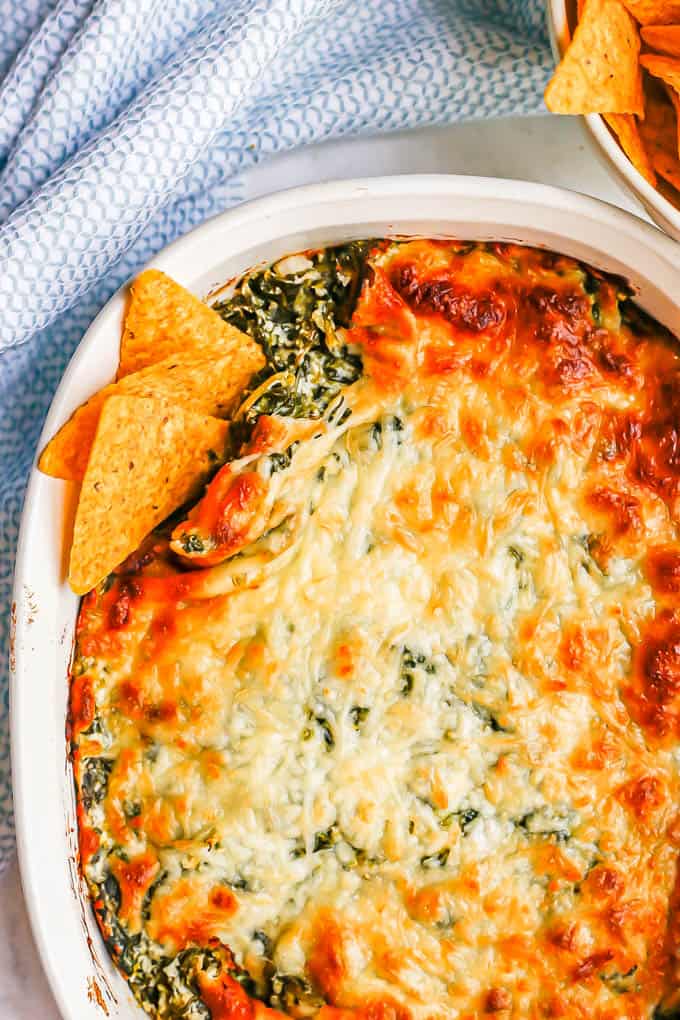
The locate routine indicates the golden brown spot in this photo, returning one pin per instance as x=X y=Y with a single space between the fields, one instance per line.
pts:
x=497 y=1000
x=663 y=569
x=643 y=796
x=591 y=964
x=622 y=508
x=653 y=696
x=326 y=964
x=134 y=878
x=225 y=998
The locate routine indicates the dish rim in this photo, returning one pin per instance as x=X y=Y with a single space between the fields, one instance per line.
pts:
x=487 y=207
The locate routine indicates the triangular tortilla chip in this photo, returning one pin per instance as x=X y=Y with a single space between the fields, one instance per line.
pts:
x=670 y=193
x=660 y=134
x=165 y=319
x=664 y=38
x=659 y=128
x=675 y=100
x=599 y=72
x=207 y=383
x=147 y=459
x=659 y=112
x=655 y=12
x=625 y=127
x=665 y=68
x=667 y=165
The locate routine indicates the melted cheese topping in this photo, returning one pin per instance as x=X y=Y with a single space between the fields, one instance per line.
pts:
x=411 y=749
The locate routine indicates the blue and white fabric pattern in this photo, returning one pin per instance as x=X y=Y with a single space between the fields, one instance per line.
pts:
x=123 y=123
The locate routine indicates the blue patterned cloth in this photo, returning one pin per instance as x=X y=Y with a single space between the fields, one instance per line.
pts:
x=123 y=123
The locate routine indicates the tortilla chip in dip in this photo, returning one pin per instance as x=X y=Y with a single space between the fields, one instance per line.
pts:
x=209 y=381
x=147 y=459
x=165 y=319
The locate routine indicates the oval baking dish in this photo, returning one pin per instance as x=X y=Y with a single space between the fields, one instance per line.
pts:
x=83 y=979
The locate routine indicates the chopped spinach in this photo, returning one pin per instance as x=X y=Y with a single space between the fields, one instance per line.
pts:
x=150 y=893
x=109 y=891
x=358 y=714
x=326 y=731
x=394 y=425
x=325 y=840
x=466 y=818
x=437 y=860
x=487 y=717
x=95 y=728
x=591 y=281
x=295 y=315
x=351 y=856
x=546 y=823
x=294 y=995
x=238 y=882
x=596 y=312
x=411 y=662
x=667 y=1012
x=164 y=985
x=280 y=461
x=192 y=543
x=517 y=555
x=174 y=991
x=376 y=435
x=151 y=753
x=262 y=942
x=95 y=780
x=621 y=983
x=245 y=981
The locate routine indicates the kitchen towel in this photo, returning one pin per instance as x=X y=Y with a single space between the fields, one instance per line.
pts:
x=123 y=123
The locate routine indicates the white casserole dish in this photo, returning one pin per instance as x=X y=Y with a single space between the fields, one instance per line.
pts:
x=84 y=982
x=561 y=15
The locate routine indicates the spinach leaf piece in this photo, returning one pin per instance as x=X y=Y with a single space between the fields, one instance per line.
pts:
x=295 y=314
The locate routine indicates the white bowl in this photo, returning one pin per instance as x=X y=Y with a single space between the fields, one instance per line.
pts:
x=76 y=962
x=605 y=144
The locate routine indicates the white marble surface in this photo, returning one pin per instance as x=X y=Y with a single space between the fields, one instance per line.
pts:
x=548 y=149
x=551 y=150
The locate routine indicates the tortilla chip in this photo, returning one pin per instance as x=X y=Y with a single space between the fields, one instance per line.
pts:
x=665 y=68
x=659 y=128
x=599 y=72
x=654 y=12
x=626 y=129
x=667 y=166
x=675 y=100
x=664 y=38
x=670 y=193
x=165 y=319
x=580 y=7
x=206 y=383
x=660 y=136
x=147 y=459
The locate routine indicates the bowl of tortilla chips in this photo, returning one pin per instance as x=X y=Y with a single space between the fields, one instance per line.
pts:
x=619 y=68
